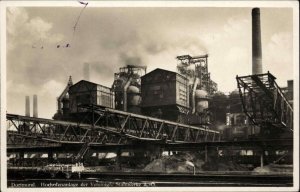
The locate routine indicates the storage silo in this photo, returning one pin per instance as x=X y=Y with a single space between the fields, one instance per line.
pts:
x=201 y=100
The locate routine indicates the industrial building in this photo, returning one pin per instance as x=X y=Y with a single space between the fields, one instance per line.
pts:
x=127 y=88
x=144 y=115
x=166 y=95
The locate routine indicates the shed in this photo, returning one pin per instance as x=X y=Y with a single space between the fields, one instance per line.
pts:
x=86 y=92
x=162 y=87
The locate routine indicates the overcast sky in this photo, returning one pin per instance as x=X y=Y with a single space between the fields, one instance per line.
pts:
x=108 y=38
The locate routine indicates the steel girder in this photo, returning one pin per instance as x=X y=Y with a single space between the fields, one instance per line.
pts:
x=147 y=128
x=15 y=139
x=264 y=102
x=52 y=131
x=106 y=126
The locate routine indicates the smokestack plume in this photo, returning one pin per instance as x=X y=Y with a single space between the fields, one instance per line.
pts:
x=35 y=106
x=86 y=71
x=256 y=42
x=27 y=106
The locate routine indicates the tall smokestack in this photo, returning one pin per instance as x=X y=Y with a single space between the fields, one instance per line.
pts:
x=256 y=42
x=27 y=106
x=35 y=106
x=86 y=71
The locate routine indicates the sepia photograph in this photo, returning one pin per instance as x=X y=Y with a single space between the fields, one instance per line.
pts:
x=149 y=95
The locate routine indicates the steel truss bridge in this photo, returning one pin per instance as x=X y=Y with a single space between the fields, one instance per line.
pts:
x=100 y=126
x=264 y=102
x=108 y=126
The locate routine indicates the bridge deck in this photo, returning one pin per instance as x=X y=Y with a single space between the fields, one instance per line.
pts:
x=108 y=126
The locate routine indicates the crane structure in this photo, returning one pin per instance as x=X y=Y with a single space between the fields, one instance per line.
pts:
x=264 y=102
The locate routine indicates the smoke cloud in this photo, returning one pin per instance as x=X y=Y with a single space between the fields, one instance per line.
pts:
x=109 y=38
x=130 y=60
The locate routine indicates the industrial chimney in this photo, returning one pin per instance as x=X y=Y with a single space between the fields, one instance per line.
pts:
x=86 y=71
x=27 y=106
x=35 y=106
x=256 y=42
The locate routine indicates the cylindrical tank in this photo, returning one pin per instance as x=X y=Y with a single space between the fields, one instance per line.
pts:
x=201 y=100
x=191 y=68
x=134 y=97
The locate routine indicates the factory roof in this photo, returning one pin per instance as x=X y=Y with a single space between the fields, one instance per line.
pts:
x=159 y=69
x=89 y=82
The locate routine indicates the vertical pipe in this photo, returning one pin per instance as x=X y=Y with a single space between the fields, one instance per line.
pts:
x=35 y=106
x=256 y=42
x=262 y=159
x=125 y=94
x=27 y=106
x=196 y=81
x=194 y=170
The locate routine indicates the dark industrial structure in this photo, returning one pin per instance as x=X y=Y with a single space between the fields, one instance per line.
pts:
x=144 y=114
x=265 y=104
x=82 y=93
x=88 y=93
x=63 y=96
x=196 y=70
x=127 y=88
x=165 y=95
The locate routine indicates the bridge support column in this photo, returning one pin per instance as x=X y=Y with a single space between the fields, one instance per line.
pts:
x=206 y=155
x=262 y=158
x=118 y=160
x=50 y=157
x=21 y=155
x=21 y=158
x=211 y=153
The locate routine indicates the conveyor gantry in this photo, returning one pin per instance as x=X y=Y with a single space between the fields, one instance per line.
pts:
x=104 y=126
x=264 y=102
